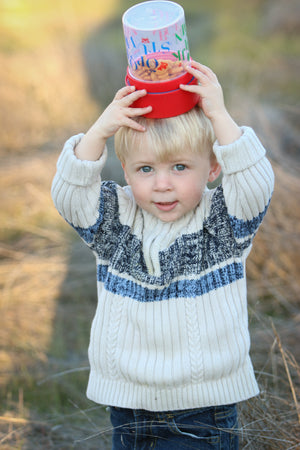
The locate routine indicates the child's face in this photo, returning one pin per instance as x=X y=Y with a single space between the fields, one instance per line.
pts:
x=168 y=189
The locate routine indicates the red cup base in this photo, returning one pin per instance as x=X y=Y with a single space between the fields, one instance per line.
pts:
x=165 y=97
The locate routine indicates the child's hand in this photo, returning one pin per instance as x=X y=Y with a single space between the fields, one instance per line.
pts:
x=212 y=102
x=116 y=115
x=209 y=89
x=120 y=113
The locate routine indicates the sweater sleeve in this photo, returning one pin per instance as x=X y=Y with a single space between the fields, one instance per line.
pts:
x=248 y=182
x=76 y=186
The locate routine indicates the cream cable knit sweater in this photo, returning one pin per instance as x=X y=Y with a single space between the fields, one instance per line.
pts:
x=170 y=330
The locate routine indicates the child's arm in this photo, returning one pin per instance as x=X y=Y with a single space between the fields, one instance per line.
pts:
x=117 y=114
x=248 y=179
x=212 y=103
x=77 y=182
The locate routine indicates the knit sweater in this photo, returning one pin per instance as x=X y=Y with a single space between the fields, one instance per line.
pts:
x=171 y=328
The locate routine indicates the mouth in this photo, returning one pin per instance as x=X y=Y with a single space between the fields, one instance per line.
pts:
x=166 y=206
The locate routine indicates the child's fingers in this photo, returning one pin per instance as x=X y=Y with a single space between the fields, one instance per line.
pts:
x=202 y=68
x=133 y=124
x=195 y=88
x=136 y=112
x=128 y=95
x=131 y=98
x=201 y=72
x=123 y=92
x=123 y=100
x=199 y=75
x=127 y=114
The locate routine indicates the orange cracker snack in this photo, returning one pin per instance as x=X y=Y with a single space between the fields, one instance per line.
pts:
x=158 y=70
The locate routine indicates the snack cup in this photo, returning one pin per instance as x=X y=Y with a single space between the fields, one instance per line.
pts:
x=157 y=51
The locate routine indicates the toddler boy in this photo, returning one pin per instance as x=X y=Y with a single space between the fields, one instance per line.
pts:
x=169 y=345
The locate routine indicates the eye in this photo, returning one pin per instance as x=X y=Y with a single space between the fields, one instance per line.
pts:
x=146 y=169
x=179 y=167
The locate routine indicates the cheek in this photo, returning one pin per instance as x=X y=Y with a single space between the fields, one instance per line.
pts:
x=140 y=191
x=194 y=198
x=192 y=191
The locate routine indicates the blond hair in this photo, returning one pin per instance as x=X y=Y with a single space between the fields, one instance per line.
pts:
x=190 y=131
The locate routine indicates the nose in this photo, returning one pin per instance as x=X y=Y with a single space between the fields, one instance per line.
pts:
x=162 y=181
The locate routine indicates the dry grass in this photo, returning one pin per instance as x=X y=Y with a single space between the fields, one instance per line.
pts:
x=43 y=101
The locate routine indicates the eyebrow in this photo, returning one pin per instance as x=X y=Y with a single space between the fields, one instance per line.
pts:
x=143 y=163
x=169 y=158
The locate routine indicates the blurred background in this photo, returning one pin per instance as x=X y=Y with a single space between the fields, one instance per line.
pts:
x=61 y=62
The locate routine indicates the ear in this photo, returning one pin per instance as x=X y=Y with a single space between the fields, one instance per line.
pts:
x=125 y=173
x=215 y=170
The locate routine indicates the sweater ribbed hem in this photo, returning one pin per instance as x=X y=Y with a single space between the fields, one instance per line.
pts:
x=232 y=389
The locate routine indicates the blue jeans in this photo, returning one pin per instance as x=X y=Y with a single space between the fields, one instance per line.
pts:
x=212 y=428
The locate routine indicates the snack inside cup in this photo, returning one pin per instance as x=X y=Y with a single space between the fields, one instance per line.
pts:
x=157 y=67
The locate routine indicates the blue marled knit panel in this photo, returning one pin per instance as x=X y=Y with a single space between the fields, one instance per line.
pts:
x=244 y=228
x=106 y=233
x=178 y=289
x=189 y=255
